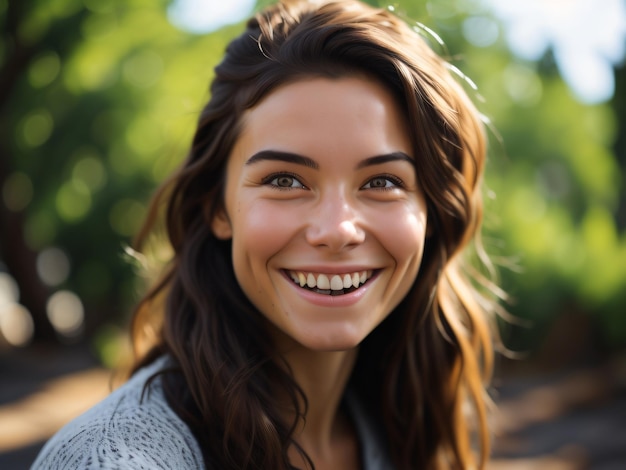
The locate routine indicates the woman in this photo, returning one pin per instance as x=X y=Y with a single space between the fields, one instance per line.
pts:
x=316 y=311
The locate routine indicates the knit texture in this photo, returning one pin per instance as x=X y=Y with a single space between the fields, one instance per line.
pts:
x=125 y=431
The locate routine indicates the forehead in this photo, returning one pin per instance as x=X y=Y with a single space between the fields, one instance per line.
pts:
x=320 y=113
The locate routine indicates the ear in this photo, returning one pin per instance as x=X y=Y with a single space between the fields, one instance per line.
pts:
x=220 y=225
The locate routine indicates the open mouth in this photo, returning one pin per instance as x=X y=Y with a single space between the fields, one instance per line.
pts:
x=330 y=284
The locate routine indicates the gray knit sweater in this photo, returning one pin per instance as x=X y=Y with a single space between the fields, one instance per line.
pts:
x=127 y=432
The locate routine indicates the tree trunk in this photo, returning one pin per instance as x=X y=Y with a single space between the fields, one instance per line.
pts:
x=20 y=260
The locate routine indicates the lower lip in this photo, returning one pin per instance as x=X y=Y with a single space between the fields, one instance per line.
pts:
x=326 y=300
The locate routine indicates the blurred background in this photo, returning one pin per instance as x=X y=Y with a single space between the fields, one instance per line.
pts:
x=98 y=101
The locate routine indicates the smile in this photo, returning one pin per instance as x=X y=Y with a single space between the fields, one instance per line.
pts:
x=330 y=284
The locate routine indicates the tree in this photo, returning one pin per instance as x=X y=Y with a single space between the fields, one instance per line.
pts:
x=98 y=100
x=97 y=104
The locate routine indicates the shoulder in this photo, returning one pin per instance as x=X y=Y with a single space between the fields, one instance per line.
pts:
x=129 y=429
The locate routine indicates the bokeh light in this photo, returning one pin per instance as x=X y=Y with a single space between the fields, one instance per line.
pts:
x=144 y=136
x=66 y=313
x=480 y=31
x=17 y=191
x=44 y=69
x=586 y=39
x=16 y=324
x=9 y=290
x=200 y=16
x=522 y=84
x=53 y=266
x=73 y=200
x=40 y=230
x=143 y=69
x=89 y=171
x=126 y=216
x=37 y=127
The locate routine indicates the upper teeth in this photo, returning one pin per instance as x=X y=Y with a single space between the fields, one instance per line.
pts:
x=330 y=281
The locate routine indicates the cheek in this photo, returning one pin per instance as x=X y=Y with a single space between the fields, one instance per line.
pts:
x=260 y=230
x=404 y=234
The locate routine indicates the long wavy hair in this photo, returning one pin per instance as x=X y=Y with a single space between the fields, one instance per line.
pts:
x=423 y=371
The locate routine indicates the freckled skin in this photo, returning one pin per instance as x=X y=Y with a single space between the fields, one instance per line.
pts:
x=284 y=215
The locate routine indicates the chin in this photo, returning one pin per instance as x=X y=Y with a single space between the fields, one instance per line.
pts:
x=332 y=343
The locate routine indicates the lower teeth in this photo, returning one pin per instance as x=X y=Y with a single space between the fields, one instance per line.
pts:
x=329 y=291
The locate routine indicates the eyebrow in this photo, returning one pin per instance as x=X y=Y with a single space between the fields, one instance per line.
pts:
x=388 y=157
x=275 y=155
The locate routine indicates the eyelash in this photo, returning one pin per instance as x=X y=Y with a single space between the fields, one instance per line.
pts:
x=397 y=182
x=268 y=181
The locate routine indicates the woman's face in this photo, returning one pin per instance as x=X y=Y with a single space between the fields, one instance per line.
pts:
x=322 y=204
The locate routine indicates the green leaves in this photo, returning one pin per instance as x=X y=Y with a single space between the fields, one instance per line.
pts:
x=101 y=98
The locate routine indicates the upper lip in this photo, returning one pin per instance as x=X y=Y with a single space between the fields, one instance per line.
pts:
x=332 y=269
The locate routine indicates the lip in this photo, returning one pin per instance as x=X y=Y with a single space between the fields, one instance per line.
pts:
x=331 y=269
x=325 y=300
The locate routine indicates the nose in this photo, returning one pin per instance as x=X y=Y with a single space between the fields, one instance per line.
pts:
x=335 y=224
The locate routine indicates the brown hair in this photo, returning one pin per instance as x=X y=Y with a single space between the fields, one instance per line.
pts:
x=418 y=370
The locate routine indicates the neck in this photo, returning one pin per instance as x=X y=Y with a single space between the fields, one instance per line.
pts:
x=323 y=377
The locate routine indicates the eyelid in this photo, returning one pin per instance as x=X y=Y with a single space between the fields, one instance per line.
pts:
x=267 y=180
x=393 y=178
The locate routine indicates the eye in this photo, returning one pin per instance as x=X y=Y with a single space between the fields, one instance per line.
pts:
x=385 y=182
x=283 y=181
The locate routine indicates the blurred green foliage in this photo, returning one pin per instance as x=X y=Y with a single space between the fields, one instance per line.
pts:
x=100 y=99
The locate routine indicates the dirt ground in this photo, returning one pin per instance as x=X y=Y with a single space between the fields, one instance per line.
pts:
x=571 y=419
